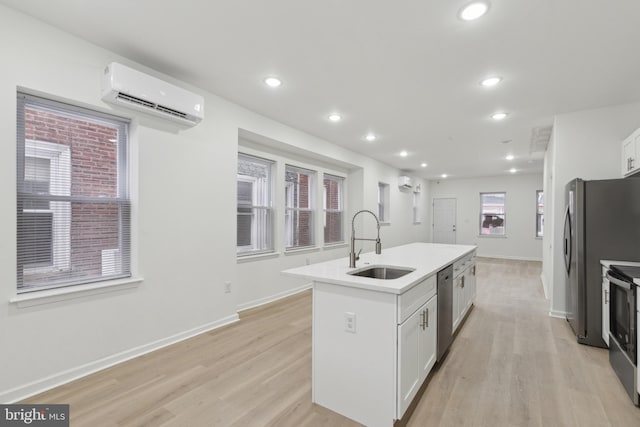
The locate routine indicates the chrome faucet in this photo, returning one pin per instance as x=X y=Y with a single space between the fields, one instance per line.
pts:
x=352 y=253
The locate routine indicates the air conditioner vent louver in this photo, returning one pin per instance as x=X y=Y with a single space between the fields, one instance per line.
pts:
x=130 y=88
x=171 y=111
x=135 y=100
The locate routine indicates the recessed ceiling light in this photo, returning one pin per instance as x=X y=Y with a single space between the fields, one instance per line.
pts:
x=444 y=175
x=513 y=170
x=273 y=82
x=404 y=153
x=423 y=165
x=491 y=81
x=474 y=10
x=370 y=137
x=510 y=157
x=498 y=116
x=335 y=117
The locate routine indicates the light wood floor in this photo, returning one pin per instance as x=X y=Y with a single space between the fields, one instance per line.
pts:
x=510 y=365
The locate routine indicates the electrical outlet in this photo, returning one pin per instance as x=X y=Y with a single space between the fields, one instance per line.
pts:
x=350 y=322
x=227 y=287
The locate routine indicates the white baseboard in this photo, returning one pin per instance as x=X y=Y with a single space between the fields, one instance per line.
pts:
x=558 y=314
x=514 y=258
x=272 y=298
x=39 y=386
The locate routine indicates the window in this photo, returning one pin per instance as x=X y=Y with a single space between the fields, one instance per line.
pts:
x=416 y=208
x=74 y=211
x=333 y=206
x=299 y=207
x=539 y=213
x=383 y=202
x=254 y=217
x=492 y=214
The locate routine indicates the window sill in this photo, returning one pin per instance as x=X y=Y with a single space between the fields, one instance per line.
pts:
x=256 y=257
x=338 y=245
x=301 y=250
x=48 y=296
x=493 y=236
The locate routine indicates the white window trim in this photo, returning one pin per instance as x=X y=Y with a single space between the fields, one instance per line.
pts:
x=59 y=157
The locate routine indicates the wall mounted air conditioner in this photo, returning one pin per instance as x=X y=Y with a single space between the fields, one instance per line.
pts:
x=126 y=87
x=404 y=182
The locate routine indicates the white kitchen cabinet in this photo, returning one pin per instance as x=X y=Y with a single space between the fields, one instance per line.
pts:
x=605 y=306
x=464 y=289
x=630 y=154
x=417 y=340
x=371 y=346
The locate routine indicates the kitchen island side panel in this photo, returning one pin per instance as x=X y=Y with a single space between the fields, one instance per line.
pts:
x=354 y=373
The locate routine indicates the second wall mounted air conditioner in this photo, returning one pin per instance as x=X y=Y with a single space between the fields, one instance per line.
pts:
x=405 y=182
x=124 y=86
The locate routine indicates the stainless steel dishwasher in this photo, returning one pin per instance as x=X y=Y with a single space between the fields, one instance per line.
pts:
x=445 y=310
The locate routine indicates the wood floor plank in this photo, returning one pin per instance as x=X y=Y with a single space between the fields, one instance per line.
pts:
x=510 y=365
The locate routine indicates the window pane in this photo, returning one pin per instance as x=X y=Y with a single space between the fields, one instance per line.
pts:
x=492 y=213
x=73 y=207
x=254 y=219
x=539 y=213
x=299 y=206
x=333 y=225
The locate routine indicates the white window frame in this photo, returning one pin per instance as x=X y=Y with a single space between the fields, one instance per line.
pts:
x=289 y=210
x=539 y=216
x=262 y=202
x=383 y=202
x=61 y=272
x=59 y=157
x=417 y=219
x=340 y=209
x=503 y=233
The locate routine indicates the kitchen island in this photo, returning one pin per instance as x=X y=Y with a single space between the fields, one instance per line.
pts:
x=374 y=340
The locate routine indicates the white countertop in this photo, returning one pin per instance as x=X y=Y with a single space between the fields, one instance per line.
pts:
x=608 y=262
x=425 y=258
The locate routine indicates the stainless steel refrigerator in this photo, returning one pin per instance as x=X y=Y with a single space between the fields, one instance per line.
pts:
x=602 y=221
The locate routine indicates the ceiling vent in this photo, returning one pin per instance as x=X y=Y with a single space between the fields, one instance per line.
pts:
x=540 y=137
x=126 y=87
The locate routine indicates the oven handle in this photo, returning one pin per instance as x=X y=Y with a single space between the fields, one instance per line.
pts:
x=618 y=282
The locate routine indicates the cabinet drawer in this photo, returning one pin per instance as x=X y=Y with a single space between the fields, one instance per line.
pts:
x=463 y=263
x=415 y=297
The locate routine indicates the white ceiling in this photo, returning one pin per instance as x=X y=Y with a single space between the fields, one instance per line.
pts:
x=406 y=70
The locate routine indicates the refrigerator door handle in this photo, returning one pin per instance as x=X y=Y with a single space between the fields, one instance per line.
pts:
x=567 y=243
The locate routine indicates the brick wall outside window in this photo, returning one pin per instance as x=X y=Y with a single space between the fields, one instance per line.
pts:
x=94 y=173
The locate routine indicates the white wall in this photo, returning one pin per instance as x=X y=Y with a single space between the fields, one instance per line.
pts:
x=520 y=241
x=587 y=145
x=184 y=221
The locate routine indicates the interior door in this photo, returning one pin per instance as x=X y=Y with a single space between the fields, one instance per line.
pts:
x=444 y=220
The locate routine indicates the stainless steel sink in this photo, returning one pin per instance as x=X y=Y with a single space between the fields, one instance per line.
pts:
x=383 y=273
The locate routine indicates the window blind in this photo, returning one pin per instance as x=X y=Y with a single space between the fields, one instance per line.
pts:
x=73 y=207
x=333 y=208
x=299 y=207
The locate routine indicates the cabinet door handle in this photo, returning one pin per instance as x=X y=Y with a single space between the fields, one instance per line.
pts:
x=462 y=286
x=422 y=319
x=631 y=160
x=426 y=316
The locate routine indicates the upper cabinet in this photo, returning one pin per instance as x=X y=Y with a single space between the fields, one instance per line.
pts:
x=630 y=153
